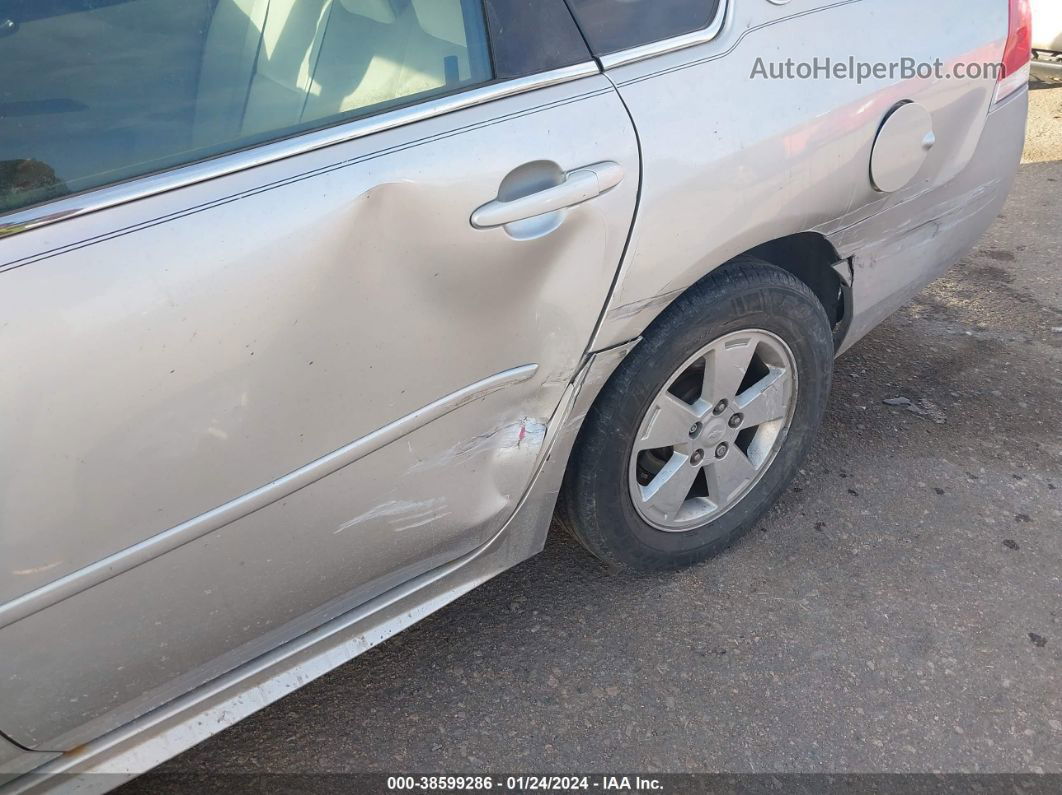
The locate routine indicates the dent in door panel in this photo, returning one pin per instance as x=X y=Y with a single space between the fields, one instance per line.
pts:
x=162 y=373
x=158 y=374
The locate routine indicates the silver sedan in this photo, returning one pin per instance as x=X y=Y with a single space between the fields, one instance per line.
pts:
x=312 y=312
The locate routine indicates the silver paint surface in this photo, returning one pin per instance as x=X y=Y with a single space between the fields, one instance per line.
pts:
x=130 y=557
x=897 y=252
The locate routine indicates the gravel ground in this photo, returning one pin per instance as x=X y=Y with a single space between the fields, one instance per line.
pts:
x=900 y=609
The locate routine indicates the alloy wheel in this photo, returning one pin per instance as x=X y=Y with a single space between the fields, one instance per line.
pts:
x=713 y=430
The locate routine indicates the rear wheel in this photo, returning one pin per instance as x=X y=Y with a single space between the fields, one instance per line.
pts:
x=704 y=423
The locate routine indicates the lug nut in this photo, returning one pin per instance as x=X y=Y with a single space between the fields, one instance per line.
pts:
x=695 y=429
x=697 y=457
x=720 y=407
x=736 y=420
x=721 y=450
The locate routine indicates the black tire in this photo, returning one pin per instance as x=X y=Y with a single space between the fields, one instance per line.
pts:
x=595 y=503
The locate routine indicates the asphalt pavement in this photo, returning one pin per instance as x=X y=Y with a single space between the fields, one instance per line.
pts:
x=900 y=610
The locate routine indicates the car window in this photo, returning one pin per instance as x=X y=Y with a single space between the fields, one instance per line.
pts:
x=97 y=91
x=533 y=36
x=614 y=25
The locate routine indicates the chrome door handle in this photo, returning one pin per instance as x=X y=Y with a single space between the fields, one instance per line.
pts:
x=579 y=186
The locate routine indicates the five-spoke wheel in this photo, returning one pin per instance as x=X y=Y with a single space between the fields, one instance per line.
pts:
x=713 y=429
x=704 y=423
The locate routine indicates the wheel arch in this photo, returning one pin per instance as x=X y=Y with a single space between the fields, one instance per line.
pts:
x=809 y=256
x=813 y=259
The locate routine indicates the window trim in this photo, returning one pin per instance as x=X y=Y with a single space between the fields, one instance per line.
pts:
x=681 y=42
x=226 y=163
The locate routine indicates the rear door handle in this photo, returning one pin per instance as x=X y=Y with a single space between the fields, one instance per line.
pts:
x=579 y=186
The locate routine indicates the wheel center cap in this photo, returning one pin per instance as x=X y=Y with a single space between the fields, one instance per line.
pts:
x=712 y=433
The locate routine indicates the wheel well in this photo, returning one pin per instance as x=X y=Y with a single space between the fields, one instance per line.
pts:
x=811 y=258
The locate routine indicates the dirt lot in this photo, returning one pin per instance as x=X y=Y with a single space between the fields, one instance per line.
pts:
x=900 y=610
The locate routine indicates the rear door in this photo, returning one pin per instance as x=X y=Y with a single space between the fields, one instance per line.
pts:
x=289 y=291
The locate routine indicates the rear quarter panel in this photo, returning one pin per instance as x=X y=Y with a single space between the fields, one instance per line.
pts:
x=731 y=161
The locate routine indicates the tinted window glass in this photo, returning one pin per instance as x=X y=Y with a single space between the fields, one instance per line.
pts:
x=613 y=25
x=96 y=91
x=532 y=36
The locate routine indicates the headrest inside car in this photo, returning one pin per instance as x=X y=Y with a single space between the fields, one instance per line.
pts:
x=442 y=19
